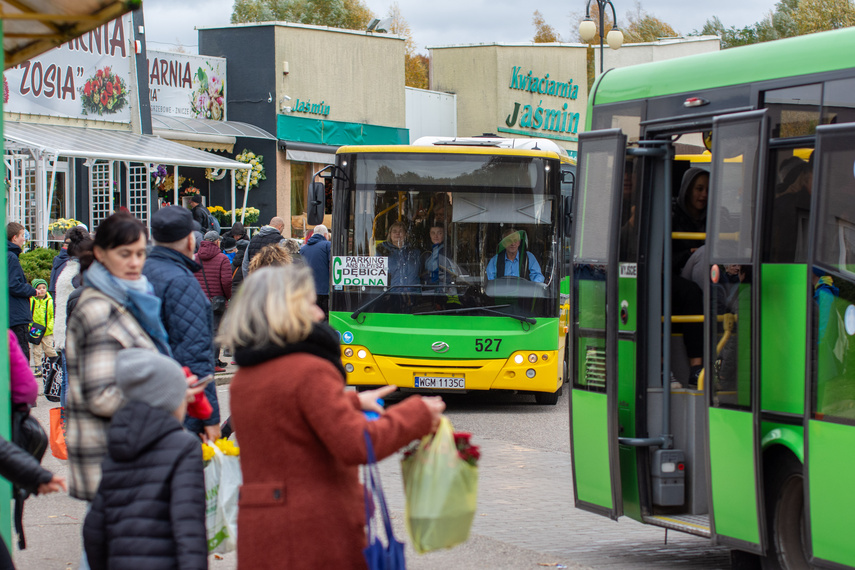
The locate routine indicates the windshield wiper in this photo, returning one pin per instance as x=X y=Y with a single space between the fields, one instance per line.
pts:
x=491 y=309
x=383 y=295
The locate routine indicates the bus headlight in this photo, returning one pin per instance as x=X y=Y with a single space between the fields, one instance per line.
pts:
x=532 y=358
x=361 y=354
x=348 y=352
x=348 y=367
x=518 y=358
x=530 y=372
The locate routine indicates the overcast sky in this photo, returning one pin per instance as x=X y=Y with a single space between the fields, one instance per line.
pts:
x=446 y=22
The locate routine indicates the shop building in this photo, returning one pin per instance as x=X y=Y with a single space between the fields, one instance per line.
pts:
x=77 y=134
x=316 y=88
x=515 y=90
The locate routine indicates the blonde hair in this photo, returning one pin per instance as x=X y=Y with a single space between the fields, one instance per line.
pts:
x=269 y=255
x=274 y=306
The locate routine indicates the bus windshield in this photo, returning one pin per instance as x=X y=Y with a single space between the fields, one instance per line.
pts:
x=455 y=234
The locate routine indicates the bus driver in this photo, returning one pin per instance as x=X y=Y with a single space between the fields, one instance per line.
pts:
x=507 y=262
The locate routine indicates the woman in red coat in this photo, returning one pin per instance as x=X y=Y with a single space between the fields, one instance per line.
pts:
x=301 y=434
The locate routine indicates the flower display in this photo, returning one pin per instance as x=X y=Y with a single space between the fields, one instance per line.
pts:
x=62 y=225
x=212 y=174
x=103 y=93
x=255 y=175
x=158 y=175
x=223 y=216
x=190 y=191
x=249 y=219
x=207 y=98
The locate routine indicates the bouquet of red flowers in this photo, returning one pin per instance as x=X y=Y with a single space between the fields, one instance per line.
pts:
x=104 y=93
x=465 y=449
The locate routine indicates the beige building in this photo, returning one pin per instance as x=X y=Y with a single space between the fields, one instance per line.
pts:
x=316 y=88
x=515 y=90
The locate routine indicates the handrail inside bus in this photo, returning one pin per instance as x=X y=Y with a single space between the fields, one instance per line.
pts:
x=689 y=235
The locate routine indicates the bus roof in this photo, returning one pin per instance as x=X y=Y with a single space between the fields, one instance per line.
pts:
x=802 y=55
x=454 y=149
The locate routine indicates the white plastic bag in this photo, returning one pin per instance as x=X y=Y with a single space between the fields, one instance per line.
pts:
x=222 y=484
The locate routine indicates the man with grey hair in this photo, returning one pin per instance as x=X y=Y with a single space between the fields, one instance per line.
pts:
x=185 y=309
x=269 y=234
x=317 y=255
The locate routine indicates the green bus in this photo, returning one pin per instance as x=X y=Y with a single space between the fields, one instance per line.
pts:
x=450 y=264
x=756 y=451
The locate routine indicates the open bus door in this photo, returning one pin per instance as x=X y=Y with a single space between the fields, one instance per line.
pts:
x=731 y=355
x=829 y=423
x=593 y=401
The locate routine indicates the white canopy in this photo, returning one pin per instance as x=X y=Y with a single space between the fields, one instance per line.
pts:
x=81 y=142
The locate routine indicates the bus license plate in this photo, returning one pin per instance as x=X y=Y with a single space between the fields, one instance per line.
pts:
x=442 y=382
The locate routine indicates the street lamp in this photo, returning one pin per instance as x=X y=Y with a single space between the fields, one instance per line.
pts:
x=588 y=29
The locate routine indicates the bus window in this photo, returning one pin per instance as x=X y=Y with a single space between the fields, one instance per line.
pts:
x=838 y=102
x=788 y=206
x=794 y=111
x=834 y=290
x=626 y=117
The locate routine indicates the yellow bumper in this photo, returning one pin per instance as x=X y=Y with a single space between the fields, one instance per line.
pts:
x=366 y=369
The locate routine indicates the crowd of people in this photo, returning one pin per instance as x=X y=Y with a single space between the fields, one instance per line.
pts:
x=138 y=324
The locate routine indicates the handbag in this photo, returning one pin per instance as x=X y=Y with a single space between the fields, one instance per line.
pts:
x=218 y=303
x=223 y=480
x=377 y=555
x=57 y=433
x=29 y=435
x=52 y=375
x=36 y=331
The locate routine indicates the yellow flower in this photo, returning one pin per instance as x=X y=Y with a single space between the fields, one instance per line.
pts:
x=207 y=452
x=227 y=447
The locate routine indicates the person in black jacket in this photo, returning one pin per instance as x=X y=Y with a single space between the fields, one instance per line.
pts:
x=149 y=511
x=20 y=290
x=23 y=470
x=185 y=310
x=200 y=213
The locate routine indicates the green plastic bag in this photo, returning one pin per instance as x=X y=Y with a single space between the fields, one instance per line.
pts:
x=441 y=491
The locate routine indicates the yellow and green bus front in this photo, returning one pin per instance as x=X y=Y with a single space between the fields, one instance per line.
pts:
x=447 y=268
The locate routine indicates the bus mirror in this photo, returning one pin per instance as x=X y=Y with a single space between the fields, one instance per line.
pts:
x=568 y=215
x=315 y=210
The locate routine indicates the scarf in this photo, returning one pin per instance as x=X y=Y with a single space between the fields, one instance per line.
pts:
x=136 y=296
x=321 y=342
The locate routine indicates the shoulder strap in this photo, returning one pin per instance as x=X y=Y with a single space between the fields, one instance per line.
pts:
x=500 y=264
x=205 y=277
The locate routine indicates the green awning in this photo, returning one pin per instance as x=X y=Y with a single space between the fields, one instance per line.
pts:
x=337 y=133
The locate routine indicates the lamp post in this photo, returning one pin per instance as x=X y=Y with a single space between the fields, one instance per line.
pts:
x=588 y=29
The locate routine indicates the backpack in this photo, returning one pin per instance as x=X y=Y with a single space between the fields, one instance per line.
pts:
x=213 y=224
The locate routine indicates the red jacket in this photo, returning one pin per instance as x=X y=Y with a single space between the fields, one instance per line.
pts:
x=301 y=442
x=218 y=270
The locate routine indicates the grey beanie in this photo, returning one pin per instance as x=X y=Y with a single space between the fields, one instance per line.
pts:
x=150 y=377
x=212 y=236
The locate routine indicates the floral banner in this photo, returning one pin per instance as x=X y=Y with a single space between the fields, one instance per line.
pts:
x=185 y=85
x=86 y=78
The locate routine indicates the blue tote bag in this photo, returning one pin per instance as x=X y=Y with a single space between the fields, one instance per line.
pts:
x=377 y=555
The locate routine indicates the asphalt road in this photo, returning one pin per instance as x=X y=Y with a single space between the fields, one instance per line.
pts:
x=525 y=513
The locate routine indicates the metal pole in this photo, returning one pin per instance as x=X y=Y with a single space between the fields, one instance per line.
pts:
x=600 y=7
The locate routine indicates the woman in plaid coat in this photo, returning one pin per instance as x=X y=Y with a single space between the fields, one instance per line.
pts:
x=116 y=310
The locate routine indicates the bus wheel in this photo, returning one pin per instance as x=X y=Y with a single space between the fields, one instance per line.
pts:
x=785 y=516
x=547 y=398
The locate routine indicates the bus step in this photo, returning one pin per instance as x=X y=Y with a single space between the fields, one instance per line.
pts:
x=699 y=525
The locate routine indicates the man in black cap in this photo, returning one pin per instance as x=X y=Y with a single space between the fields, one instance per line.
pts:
x=186 y=311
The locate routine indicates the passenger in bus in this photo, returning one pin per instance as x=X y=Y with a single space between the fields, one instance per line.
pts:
x=690 y=215
x=404 y=261
x=512 y=254
x=437 y=267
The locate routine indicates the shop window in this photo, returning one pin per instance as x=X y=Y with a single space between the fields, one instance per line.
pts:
x=299 y=198
x=794 y=111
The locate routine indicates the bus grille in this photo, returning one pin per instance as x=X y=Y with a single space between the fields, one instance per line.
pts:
x=595 y=367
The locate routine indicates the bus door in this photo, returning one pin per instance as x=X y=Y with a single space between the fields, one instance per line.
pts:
x=829 y=423
x=593 y=401
x=731 y=353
